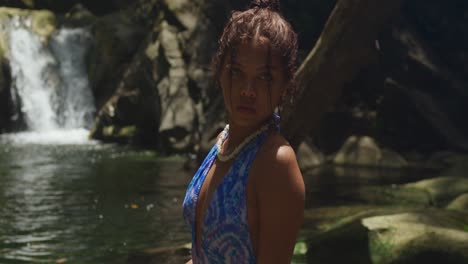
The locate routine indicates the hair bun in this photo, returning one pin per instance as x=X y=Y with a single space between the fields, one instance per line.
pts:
x=268 y=4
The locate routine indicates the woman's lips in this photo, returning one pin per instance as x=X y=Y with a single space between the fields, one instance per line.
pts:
x=245 y=110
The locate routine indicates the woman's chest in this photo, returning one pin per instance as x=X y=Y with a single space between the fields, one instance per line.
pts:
x=210 y=183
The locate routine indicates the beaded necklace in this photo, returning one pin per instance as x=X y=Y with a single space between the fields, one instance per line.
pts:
x=236 y=150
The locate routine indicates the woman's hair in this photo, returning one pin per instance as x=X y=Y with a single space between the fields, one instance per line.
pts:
x=262 y=19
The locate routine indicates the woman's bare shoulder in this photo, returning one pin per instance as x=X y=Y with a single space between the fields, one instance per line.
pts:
x=276 y=162
x=276 y=150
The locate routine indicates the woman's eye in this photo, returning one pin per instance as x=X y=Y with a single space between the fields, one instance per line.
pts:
x=235 y=72
x=266 y=76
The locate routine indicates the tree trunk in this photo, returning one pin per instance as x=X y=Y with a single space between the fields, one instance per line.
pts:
x=347 y=43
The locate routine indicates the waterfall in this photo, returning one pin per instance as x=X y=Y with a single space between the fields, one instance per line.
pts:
x=51 y=83
x=32 y=69
x=69 y=47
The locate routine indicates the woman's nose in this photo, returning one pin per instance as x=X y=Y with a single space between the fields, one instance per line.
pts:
x=248 y=90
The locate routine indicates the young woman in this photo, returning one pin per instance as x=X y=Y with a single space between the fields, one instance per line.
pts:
x=245 y=203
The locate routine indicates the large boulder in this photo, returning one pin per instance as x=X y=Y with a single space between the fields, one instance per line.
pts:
x=392 y=236
x=308 y=156
x=459 y=203
x=441 y=189
x=41 y=22
x=364 y=151
x=392 y=195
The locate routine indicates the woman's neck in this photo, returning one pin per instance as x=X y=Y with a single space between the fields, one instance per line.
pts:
x=237 y=134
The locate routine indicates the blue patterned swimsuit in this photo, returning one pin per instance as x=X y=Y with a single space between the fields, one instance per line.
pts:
x=225 y=236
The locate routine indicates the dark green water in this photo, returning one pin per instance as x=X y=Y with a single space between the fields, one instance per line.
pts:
x=96 y=203
x=87 y=203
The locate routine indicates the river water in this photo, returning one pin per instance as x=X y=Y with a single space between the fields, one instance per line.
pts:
x=87 y=203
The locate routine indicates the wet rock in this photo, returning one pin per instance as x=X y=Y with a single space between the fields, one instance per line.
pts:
x=308 y=156
x=392 y=235
x=460 y=203
x=416 y=238
x=358 y=151
x=131 y=115
x=178 y=114
x=393 y=195
x=441 y=189
x=5 y=96
x=185 y=11
x=391 y=159
x=153 y=95
x=78 y=16
x=43 y=23
x=364 y=151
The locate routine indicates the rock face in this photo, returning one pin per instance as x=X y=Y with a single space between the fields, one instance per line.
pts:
x=442 y=189
x=414 y=237
x=5 y=96
x=178 y=77
x=132 y=113
x=364 y=151
x=398 y=99
x=392 y=235
x=117 y=38
x=412 y=96
x=178 y=111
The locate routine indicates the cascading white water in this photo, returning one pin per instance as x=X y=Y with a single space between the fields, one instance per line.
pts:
x=69 y=47
x=52 y=85
x=35 y=81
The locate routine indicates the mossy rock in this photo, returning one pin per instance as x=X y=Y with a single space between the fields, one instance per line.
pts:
x=460 y=203
x=43 y=23
x=114 y=131
x=394 y=195
x=441 y=189
x=392 y=235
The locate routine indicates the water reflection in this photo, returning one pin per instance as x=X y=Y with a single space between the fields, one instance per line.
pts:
x=340 y=185
x=87 y=203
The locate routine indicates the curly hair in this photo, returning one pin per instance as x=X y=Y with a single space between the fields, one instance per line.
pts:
x=263 y=19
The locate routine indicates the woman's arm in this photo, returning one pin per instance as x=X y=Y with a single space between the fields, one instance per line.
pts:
x=189 y=262
x=281 y=197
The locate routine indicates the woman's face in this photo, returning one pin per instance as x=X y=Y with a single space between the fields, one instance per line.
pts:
x=251 y=89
